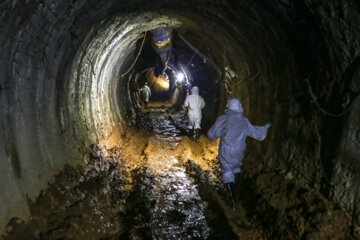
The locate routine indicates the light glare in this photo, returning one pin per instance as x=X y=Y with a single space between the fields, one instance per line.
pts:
x=180 y=77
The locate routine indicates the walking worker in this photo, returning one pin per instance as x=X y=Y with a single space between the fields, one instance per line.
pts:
x=195 y=103
x=233 y=129
x=146 y=93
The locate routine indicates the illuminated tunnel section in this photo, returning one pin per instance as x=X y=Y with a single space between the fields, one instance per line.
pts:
x=105 y=87
x=187 y=66
x=100 y=71
x=72 y=70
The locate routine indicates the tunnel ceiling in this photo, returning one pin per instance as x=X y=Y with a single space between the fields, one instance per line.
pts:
x=62 y=86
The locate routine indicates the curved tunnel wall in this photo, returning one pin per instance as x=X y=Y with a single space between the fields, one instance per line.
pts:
x=61 y=63
x=96 y=75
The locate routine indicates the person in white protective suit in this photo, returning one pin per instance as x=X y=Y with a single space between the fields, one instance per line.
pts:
x=194 y=103
x=233 y=129
x=146 y=93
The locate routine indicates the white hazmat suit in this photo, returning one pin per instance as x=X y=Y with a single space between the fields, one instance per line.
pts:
x=146 y=93
x=195 y=103
x=233 y=129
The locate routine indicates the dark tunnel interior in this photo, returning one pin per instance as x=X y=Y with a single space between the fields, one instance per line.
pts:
x=85 y=155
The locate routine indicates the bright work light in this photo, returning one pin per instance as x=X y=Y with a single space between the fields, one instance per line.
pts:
x=180 y=77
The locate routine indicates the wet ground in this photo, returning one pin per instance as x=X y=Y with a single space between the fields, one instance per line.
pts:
x=157 y=184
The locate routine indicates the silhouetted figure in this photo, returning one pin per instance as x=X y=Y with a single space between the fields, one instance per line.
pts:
x=233 y=129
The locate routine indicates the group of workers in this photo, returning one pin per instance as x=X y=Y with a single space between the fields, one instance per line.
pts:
x=232 y=128
x=194 y=103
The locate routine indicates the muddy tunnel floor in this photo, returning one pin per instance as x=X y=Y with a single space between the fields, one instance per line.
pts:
x=167 y=125
x=141 y=186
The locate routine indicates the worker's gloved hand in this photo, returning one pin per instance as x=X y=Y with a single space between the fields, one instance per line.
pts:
x=269 y=124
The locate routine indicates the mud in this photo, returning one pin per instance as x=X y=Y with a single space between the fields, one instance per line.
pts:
x=151 y=185
x=82 y=203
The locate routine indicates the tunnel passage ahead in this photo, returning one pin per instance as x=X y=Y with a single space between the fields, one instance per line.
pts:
x=62 y=87
x=115 y=62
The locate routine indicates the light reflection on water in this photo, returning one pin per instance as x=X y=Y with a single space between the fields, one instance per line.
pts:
x=178 y=212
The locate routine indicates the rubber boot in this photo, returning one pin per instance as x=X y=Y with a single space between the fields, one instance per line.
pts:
x=237 y=177
x=196 y=134
x=191 y=133
x=232 y=187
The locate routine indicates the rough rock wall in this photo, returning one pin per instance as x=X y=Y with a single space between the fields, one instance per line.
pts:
x=321 y=145
x=38 y=40
x=346 y=176
x=340 y=24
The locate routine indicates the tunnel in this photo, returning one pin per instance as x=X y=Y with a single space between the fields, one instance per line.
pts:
x=84 y=156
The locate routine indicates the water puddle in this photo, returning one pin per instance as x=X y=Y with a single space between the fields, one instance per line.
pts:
x=178 y=212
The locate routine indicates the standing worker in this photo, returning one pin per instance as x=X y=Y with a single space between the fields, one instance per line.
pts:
x=233 y=128
x=146 y=93
x=195 y=103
